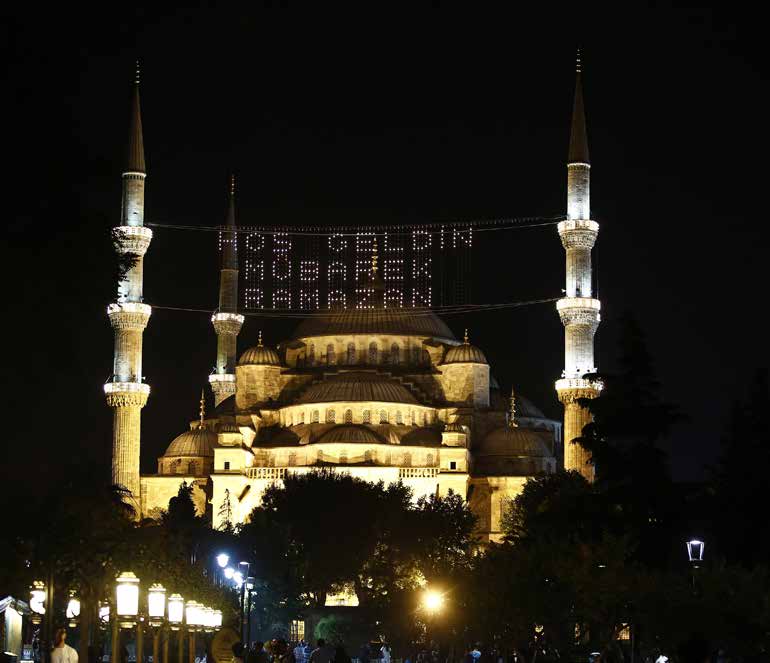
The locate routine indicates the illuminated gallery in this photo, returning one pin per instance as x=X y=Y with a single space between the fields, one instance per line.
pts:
x=371 y=382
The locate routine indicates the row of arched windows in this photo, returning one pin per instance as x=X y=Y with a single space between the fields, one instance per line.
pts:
x=373 y=355
x=412 y=418
x=180 y=466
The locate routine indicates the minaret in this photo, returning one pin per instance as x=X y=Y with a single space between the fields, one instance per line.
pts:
x=125 y=391
x=578 y=310
x=227 y=322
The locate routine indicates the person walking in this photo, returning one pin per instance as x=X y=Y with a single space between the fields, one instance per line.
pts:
x=322 y=653
x=385 y=651
x=62 y=652
x=299 y=652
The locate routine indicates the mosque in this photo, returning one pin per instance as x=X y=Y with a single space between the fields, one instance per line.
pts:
x=382 y=393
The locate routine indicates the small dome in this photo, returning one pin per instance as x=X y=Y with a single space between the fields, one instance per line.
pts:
x=350 y=434
x=515 y=442
x=197 y=442
x=260 y=355
x=465 y=354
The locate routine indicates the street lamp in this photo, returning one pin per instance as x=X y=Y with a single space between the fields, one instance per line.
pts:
x=175 y=611
x=104 y=612
x=433 y=601
x=73 y=609
x=194 y=616
x=156 y=611
x=239 y=576
x=217 y=619
x=222 y=560
x=37 y=601
x=229 y=572
x=695 y=548
x=127 y=598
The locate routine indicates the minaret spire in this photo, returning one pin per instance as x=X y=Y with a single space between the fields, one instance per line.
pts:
x=226 y=320
x=126 y=391
x=578 y=310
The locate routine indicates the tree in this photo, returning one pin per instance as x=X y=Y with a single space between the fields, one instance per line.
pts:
x=226 y=513
x=630 y=423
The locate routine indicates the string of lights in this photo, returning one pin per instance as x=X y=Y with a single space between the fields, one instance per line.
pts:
x=432 y=228
x=417 y=312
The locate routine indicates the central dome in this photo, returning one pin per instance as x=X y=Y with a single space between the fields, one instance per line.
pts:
x=357 y=387
x=403 y=321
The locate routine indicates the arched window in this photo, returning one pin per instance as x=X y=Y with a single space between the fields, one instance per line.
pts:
x=351 y=354
x=368 y=458
x=331 y=356
x=343 y=458
x=367 y=416
x=348 y=416
x=429 y=460
x=290 y=419
x=302 y=417
x=314 y=417
x=411 y=418
x=372 y=353
x=395 y=354
x=179 y=468
x=292 y=459
x=399 y=418
x=383 y=417
x=311 y=355
x=407 y=460
x=331 y=416
x=424 y=419
x=415 y=355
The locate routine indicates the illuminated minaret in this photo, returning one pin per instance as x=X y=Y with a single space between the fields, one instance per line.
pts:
x=578 y=310
x=125 y=391
x=227 y=322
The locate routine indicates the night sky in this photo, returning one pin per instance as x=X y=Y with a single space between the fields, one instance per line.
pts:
x=382 y=116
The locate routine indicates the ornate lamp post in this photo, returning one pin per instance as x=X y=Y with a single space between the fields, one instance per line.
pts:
x=37 y=601
x=126 y=612
x=175 y=620
x=432 y=603
x=695 y=548
x=156 y=612
x=73 y=609
x=193 y=615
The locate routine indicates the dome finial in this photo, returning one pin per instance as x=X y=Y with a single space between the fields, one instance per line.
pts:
x=203 y=410
x=578 y=65
x=137 y=73
x=232 y=185
x=259 y=339
x=512 y=414
x=465 y=338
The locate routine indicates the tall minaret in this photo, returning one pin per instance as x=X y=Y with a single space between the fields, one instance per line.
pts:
x=578 y=310
x=126 y=392
x=227 y=322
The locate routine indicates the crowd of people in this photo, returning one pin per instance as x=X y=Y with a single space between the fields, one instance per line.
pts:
x=281 y=651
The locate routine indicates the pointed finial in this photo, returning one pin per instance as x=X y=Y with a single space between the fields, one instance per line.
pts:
x=137 y=72
x=512 y=416
x=232 y=185
x=203 y=410
x=374 y=258
x=259 y=339
x=465 y=338
x=578 y=65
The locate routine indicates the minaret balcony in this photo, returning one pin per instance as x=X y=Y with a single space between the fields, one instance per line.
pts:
x=579 y=311
x=131 y=316
x=124 y=394
x=132 y=239
x=578 y=233
x=570 y=389
x=227 y=323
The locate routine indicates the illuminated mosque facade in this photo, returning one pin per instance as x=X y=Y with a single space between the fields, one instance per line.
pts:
x=382 y=393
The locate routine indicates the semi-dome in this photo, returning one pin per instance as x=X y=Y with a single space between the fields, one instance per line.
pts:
x=515 y=442
x=357 y=386
x=350 y=434
x=401 y=321
x=464 y=353
x=198 y=442
x=260 y=355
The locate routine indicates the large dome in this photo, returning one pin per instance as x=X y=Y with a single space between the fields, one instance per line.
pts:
x=403 y=321
x=198 y=442
x=350 y=434
x=355 y=386
x=515 y=442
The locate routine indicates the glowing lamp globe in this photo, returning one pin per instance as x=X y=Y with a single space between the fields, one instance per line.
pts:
x=104 y=612
x=127 y=598
x=193 y=614
x=37 y=600
x=156 y=602
x=222 y=560
x=433 y=601
x=695 y=549
x=73 y=609
x=217 y=619
x=229 y=572
x=175 y=610
x=238 y=578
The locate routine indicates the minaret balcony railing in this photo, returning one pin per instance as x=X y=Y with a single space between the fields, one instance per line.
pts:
x=577 y=224
x=126 y=387
x=221 y=377
x=571 y=384
x=126 y=394
x=228 y=317
x=578 y=303
x=132 y=239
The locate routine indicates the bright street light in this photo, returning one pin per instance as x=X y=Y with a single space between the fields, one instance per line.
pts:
x=175 y=610
x=238 y=577
x=433 y=601
x=229 y=572
x=695 y=549
x=222 y=560
x=127 y=595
